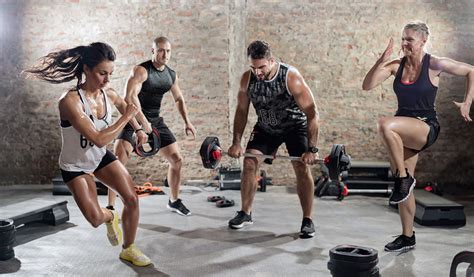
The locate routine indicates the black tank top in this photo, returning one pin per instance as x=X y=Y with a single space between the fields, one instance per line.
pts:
x=153 y=89
x=276 y=108
x=416 y=99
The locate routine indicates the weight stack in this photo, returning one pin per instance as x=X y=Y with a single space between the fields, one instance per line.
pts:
x=7 y=239
x=354 y=261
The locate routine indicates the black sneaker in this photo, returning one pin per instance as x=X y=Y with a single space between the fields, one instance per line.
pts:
x=178 y=207
x=401 y=243
x=240 y=220
x=307 y=228
x=402 y=189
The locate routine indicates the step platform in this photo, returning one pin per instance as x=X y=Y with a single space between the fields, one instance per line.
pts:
x=60 y=188
x=434 y=210
x=48 y=212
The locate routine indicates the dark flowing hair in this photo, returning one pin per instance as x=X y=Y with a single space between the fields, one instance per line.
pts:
x=65 y=65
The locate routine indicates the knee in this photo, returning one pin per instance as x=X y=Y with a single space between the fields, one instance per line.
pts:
x=176 y=161
x=250 y=165
x=130 y=200
x=302 y=171
x=383 y=125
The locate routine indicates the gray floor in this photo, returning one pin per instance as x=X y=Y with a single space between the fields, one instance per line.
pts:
x=202 y=244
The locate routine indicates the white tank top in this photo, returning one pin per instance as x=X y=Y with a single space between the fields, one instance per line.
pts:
x=77 y=153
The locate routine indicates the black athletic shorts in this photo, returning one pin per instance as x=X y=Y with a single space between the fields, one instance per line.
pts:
x=432 y=134
x=429 y=117
x=296 y=141
x=166 y=136
x=107 y=159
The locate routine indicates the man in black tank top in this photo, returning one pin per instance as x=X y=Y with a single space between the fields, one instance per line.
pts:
x=287 y=114
x=146 y=87
x=415 y=125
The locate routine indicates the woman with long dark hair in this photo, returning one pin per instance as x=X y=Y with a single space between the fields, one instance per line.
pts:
x=86 y=129
x=415 y=125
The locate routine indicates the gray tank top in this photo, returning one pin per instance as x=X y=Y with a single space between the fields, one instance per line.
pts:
x=276 y=108
x=154 y=88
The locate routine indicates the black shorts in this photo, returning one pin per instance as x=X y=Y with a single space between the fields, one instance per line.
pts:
x=432 y=122
x=107 y=159
x=432 y=134
x=166 y=136
x=296 y=142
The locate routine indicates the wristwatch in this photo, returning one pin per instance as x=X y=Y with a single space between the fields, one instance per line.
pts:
x=313 y=149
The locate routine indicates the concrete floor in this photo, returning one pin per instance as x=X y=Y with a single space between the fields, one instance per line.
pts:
x=202 y=244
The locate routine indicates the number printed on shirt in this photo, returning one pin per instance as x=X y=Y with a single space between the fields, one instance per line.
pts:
x=268 y=117
x=84 y=142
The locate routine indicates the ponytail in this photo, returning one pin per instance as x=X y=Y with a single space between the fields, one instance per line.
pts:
x=66 y=65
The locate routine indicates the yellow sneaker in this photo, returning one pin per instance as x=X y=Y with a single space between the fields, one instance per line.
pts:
x=114 y=233
x=135 y=256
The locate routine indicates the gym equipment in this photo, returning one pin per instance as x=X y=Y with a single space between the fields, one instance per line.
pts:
x=60 y=188
x=7 y=239
x=351 y=260
x=153 y=142
x=323 y=186
x=369 y=177
x=434 y=210
x=433 y=187
x=229 y=179
x=463 y=257
x=364 y=177
x=336 y=162
x=54 y=214
x=210 y=152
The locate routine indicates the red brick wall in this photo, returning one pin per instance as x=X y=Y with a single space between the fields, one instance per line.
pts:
x=332 y=43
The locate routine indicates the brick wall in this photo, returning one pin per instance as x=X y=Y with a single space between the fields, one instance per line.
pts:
x=332 y=43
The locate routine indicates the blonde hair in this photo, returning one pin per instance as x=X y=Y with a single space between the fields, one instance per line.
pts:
x=419 y=27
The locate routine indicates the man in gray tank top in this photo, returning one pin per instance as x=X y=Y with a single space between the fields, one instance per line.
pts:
x=146 y=86
x=286 y=114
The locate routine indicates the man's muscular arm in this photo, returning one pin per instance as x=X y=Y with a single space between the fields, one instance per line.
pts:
x=138 y=75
